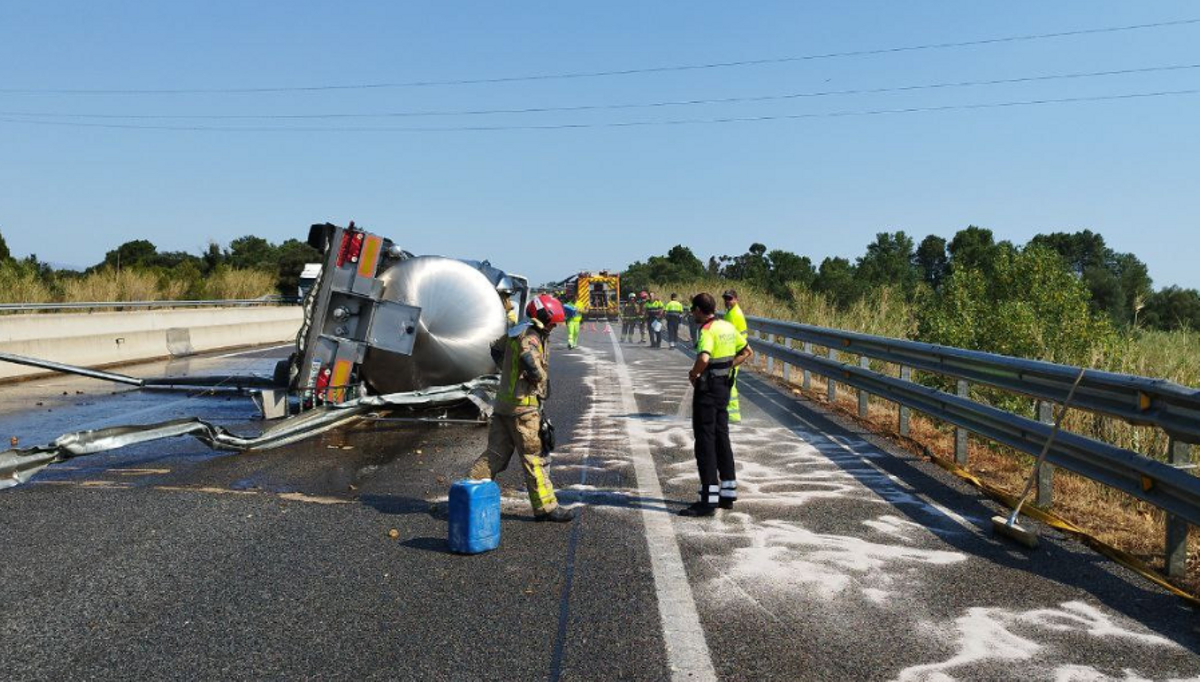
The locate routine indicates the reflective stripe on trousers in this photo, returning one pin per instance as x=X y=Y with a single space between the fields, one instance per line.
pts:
x=729 y=490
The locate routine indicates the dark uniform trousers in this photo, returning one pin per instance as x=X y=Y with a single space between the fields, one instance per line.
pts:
x=710 y=425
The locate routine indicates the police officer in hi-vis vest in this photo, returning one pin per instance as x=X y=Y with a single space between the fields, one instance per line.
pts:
x=517 y=419
x=734 y=316
x=719 y=350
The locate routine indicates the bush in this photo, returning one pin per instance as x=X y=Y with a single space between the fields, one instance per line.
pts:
x=1027 y=305
x=228 y=283
x=20 y=283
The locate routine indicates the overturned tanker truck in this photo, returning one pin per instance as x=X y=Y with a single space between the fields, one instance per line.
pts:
x=384 y=330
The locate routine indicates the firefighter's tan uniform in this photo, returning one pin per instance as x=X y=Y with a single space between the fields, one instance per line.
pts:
x=517 y=416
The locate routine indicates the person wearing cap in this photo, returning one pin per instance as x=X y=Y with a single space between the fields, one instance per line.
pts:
x=719 y=350
x=674 y=311
x=735 y=316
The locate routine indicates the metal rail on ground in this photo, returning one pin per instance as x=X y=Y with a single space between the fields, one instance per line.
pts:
x=1170 y=486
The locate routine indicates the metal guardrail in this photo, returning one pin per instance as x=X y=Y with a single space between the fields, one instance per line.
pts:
x=1139 y=400
x=98 y=305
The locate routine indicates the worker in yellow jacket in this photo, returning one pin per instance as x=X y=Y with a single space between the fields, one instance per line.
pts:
x=719 y=351
x=574 y=320
x=735 y=316
x=674 y=311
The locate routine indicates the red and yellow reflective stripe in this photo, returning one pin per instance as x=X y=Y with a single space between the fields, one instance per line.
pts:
x=369 y=258
x=341 y=377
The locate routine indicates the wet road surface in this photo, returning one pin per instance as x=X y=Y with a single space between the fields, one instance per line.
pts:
x=842 y=560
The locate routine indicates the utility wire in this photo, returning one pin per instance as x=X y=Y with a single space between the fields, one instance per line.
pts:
x=607 y=73
x=615 y=124
x=607 y=107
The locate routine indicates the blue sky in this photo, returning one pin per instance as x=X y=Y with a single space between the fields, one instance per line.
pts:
x=549 y=202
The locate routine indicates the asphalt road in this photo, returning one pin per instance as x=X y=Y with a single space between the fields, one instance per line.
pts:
x=842 y=560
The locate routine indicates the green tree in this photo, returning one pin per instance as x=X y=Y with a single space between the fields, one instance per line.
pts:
x=972 y=248
x=680 y=264
x=253 y=253
x=213 y=257
x=837 y=279
x=131 y=254
x=931 y=260
x=1119 y=283
x=1172 y=308
x=293 y=254
x=788 y=268
x=1027 y=303
x=4 y=252
x=888 y=262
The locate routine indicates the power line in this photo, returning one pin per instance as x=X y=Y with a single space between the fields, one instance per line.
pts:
x=614 y=124
x=608 y=107
x=609 y=73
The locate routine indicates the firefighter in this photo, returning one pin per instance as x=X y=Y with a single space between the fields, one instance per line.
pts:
x=735 y=316
x=629 y=318
x=524 y=356
x=574 y=319
x=674 y=310
x=510 y=311
x=719 y=350
x=654 y=320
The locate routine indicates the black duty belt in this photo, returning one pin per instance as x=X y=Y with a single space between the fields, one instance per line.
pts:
x=720 y=369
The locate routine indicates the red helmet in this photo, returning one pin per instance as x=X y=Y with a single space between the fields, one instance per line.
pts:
x=643 y=296
x=546 y=309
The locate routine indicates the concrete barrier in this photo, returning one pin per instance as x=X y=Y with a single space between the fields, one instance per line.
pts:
x=112 y=338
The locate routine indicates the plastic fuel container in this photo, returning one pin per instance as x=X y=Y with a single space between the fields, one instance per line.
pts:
x=474 y=517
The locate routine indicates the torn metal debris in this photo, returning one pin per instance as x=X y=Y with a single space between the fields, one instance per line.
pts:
x=18 y=466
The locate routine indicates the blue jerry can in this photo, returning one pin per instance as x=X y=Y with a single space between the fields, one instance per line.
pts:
x=474 y=517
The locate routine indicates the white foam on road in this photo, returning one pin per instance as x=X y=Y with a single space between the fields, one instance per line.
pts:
x=987 y=637
x=687 y=649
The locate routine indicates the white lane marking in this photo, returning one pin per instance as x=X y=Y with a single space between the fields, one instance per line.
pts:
x=687 y=650
x=252 y=350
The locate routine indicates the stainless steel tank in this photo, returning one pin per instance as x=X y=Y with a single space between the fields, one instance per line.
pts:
x=461 y=314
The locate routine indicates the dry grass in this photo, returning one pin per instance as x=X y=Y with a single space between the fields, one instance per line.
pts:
x=234 y=284
x=21 y=285
x=112 y=285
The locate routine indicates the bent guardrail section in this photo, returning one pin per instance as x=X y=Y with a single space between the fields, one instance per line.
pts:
x=1139 y=400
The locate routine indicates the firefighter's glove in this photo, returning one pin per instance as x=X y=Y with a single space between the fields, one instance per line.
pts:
x=530 y=368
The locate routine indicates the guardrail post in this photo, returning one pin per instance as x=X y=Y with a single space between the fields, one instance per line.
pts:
x=770 y=359
x=806 y=377
x=960 y=434
x=787 y=375
x=1177 y=528
x=905 y=375
x=1045 y=479
x=830 y=386
x=864 y=406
